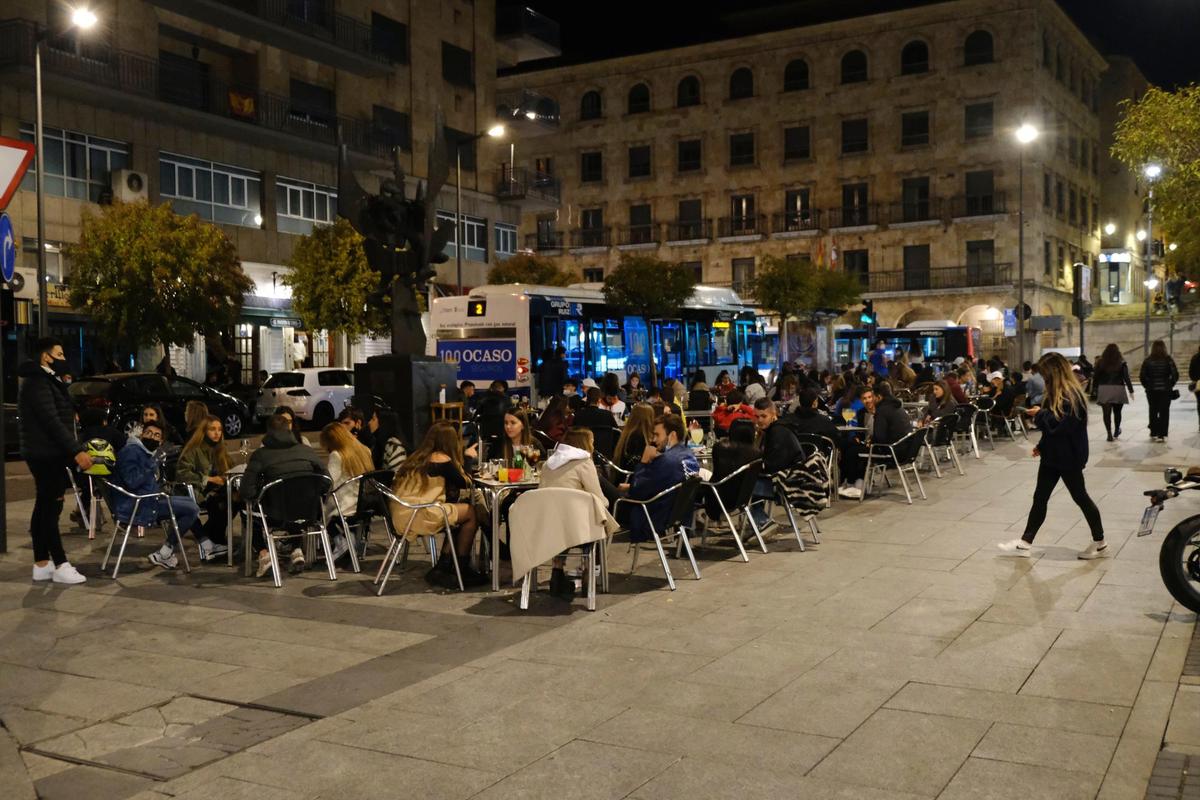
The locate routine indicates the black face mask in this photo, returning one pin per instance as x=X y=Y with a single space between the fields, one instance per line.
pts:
x=59 y=365
x=150 y=444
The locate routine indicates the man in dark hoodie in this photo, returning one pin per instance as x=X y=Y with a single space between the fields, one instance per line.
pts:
x=49 y=446
x=888 y=422
x=280 y=456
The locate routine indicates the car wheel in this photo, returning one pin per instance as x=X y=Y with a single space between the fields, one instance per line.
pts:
x=233 y=425
x=322 y=415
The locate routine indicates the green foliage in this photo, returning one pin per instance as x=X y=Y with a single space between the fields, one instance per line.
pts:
x=1164 y=128
x=797 y=289
x=332 y=282
x=528 y=268
x=649 y=287
x=838 y=290
x=149 y=276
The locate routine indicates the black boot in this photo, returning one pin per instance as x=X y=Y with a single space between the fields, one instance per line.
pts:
x=561 y=586
x=470 y=577
x=442 y=573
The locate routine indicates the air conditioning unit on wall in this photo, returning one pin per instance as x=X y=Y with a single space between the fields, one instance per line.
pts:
x=129 y=185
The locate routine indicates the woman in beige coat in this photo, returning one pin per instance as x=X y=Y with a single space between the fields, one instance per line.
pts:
x=570 y=466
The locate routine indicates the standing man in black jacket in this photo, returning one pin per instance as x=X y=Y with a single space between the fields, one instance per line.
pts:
x=49 y=445
x=1194 y=376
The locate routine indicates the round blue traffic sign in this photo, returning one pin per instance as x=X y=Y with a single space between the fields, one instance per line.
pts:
x=8 y=248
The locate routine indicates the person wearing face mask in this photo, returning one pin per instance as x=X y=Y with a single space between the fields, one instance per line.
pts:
x=153 y=413
x=49 y=445
x=137 y=472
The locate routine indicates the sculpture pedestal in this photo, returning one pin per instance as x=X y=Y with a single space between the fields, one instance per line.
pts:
x=408 y=384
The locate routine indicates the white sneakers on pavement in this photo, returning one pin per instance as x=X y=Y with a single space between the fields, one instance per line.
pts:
x=210 y=550
x=1094 y=550
x=1017 y=548
x=43 y=573
x=164 y=557
x=850 y=492
x=67 y=574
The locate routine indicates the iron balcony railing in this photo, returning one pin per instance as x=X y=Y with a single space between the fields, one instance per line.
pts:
x=543 y=242
x=914 y=211
x=795 y=221
x=934 y=278
x=191 y=88
x=590 y=237
x=977 y=205
x=522 y=183
x=746 y=225
x=688 y=230
x=851 y=216
x=648 y=233
x=316 y=18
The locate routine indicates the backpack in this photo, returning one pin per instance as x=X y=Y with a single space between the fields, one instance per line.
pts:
x=102 y=455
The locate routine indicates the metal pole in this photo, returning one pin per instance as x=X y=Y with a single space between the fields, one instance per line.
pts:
x=458 y=215
x=1021 y=256
x=1149 y=268
x=43 y=321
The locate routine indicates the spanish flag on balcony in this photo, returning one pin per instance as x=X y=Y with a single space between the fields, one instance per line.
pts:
x=241 y=105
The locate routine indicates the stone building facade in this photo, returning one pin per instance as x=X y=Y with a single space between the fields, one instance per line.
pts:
x=233 y=111
x=882 y=145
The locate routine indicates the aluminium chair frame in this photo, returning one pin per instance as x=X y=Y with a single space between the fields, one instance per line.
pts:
x=680 y=532
x=138 y=499
x=398 y=548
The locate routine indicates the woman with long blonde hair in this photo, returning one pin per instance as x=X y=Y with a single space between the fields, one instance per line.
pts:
x=348 y=458
x=1063 y=449
x=202 y=465
x=637 y=433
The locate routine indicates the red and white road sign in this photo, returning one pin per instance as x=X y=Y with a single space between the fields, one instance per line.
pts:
x=15 y=157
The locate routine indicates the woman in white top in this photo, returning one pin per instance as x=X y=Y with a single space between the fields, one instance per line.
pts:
x=570 y=466
x=348 y=458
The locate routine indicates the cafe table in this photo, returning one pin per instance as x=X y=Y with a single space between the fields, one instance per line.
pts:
x=233 y=479
x=494 y=491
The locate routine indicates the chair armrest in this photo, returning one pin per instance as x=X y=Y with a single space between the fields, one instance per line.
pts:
x=733 y=474
x=648 y=500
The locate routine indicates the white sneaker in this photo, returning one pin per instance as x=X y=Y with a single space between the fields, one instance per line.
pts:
x=1017 y=548
x=65 y=573
x=1094 y=550
x=297 y=565
x=210 y=550
x=264 y=563
x=165 y=561
x=849 y=492
x=43 y=573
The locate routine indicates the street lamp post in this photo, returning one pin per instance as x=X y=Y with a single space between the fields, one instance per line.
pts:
x=1151 y=172
x=495 y=132
x=83 y=19
x=1025 y=134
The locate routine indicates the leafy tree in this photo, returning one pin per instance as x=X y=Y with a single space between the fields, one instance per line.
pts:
x=528 y=268
x=799 y=289
x=1164 y=128
x=333 y=286
x=649 y=288
x=148 y=276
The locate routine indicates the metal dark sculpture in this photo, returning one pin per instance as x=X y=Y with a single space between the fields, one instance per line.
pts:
x=403 y=236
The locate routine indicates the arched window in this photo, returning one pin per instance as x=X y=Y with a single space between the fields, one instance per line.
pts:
x=590 y=106
x=795 y=75
x=639 y=99
x=914 y=58
x=854 y=67
x=977 y=49
x=688 y=92
x=741 y=83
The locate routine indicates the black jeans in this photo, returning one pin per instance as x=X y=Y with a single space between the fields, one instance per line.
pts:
x=1047 y=478
x=1112 y=413
x=50 y=483
x=1160 y=412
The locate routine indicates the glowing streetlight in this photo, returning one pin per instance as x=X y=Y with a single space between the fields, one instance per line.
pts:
x=1173 y=246
x=1027 y=133
x=1110 y=229
x=83 y=18
x=1141 y=235
x=496 y=131
x=1152 y=171
x=1152 y=284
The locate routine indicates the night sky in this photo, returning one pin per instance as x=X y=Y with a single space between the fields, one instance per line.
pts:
x=1160 y=35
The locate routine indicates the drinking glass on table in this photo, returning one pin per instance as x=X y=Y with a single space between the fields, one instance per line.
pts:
x=848 y=415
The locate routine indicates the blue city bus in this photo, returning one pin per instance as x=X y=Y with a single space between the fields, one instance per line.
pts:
x=938 y=345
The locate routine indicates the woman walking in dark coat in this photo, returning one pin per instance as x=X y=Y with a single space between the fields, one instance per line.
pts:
x=1158 y=377
x=1063 y=450
x=1113 y=388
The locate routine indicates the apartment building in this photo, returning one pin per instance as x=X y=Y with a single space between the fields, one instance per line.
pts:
x=232 y=110
x=882 y=145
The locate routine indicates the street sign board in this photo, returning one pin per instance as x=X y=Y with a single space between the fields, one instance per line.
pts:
x=15 y=156
x=1010 y=322
x=8 y=248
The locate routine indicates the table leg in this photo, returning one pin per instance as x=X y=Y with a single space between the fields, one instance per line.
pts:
x=229 y=522
x=248 y=543
x=496 y=540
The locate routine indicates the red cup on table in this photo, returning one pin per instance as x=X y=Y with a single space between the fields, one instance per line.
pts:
x=515 y=475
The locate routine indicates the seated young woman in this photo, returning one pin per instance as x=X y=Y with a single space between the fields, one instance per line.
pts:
x=434 y=473
x=348 y=458
x=571 y=467
x=519 y=433
x=637 y=433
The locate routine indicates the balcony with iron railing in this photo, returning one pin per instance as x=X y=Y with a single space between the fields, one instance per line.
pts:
x=544 y=242
x=689 y=230
x=534 y=188
x=633 y=235
x=852 y=216
x=913 y=211
x=795 y=221
x=149 y=83
x=527 y=33
x=977 y=205
x=970 y=276
x=590 y=237
x=310 y=28
x=745 y=225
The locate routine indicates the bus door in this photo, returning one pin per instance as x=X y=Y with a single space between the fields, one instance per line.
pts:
x=668 y=348
x=568 y=333
x=607 y=346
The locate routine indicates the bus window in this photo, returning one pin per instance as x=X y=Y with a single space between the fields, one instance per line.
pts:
x=721 y=348
x=695 y=350
x=608 y=346
x=668 y=347
x=637 y=348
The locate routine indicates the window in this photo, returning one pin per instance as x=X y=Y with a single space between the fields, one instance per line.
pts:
x=796 y=143
x=1095 y=158
x=856 y=263
x=688 y=155
x=639 y=99
x=689 y=221
x=641 y=224
x=591 y=167
x=916 y=267
x=464 y=143
x=914 y=128
x=914 y=194
x=741 y=213
x=1062 y=263
x=743 y=275
x=854 y=204
x=56 y=270
x=914 y=58
x=311 y=104
x=1096 y=216
x=1060 y=198
x=977 y=49
x=981 y=262
x=300 y=205
x=688 y=92
x=741 y=84
x=335 y=377
x=593 y=275
x=77 y=165
x=391 y=128
x=543 y=171
x=741 y=149
x=697 y=268
x=457 y=67
x=506 y=240
x=639 y=161
x=854 y=67
x=980 y=192
x=1047 y=259
x=978 y=119
x=1047 y=194
x=1083 y=152
x=795 y=75
x=797 y=209
x=473 y=235
x=1083 y=211
x=389 y=38
x=854 y=136
x=591 y=228
x=590 y=105
x=1072 y=149
x=1072 y=206
x=215 y=192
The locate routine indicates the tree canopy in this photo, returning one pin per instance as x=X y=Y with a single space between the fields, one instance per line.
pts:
x=798 y=289
x=1164 y=128
x=332 y=283
x=528 y=268
x=649 y=287
x=147 y=275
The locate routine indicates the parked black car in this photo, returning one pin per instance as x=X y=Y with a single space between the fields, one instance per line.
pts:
x=125 y=393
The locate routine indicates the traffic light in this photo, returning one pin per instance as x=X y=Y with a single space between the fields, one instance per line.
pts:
x=868 y=317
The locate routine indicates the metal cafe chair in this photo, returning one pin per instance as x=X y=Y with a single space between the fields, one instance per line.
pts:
x=129 y=524
x=941 y=438
x=684 y=501
x=964 y=426
x=398 y=548
x=370 y=503
x=294 y=506
x=900 y=456
x=740 y=490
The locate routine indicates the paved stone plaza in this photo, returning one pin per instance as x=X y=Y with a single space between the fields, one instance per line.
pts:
x=900 y=658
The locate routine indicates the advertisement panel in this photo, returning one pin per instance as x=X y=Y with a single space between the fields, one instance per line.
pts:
x=481 y=360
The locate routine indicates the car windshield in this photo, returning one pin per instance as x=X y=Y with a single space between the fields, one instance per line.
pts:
x=285 y=380
x=89 y=388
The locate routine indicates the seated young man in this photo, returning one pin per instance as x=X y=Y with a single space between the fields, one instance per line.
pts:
x=664 y=463
x=780 y=449
x=137 y=472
